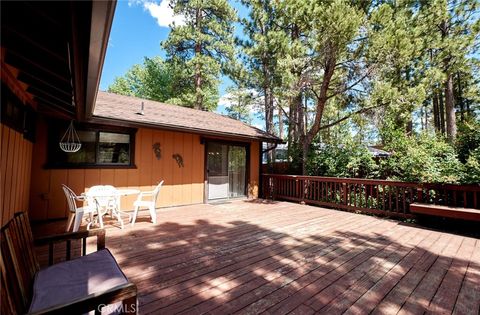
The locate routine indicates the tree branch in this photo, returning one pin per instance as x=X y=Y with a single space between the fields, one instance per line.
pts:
x=360 y=111
x=369 y=71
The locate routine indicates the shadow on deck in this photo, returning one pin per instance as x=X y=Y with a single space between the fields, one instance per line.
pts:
x=279 y=257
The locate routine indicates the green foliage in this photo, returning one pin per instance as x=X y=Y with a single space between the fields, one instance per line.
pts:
x=468 y=139
x=424 y=158
x=472 y=168
x=240 y=102
x=349 y=159
x=203 y=48
x=151 y=80
x=343 y=73
x=421 y=158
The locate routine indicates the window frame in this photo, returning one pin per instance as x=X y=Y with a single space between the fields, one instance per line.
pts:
x=53 y=143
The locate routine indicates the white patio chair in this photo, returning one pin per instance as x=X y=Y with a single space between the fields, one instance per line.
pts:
x=150 y=204
x=76 y=213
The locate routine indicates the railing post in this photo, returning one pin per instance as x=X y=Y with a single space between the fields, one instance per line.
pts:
x=273 y=187
x=296 y=188
x=304 y=191
x=419 y=193
x=345 y=196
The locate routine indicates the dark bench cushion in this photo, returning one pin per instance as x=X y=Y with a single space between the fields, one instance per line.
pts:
x=63 y=282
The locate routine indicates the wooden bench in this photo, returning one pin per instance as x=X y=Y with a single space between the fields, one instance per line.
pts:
x=73 y=286
x=444 y=211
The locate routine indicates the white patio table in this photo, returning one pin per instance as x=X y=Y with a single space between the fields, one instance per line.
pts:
x=107 y=198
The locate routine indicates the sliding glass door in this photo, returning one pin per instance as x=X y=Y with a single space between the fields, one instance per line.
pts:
x=226 y=170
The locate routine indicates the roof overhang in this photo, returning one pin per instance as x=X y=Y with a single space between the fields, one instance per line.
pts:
x=54 y=53
x=199 y=131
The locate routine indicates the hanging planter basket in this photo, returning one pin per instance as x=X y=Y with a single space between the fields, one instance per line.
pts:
x=70 y=141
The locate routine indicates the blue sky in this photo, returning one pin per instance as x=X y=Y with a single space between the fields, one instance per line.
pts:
x=136 y=33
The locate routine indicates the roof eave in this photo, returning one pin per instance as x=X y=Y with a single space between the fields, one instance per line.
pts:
x=101 y=24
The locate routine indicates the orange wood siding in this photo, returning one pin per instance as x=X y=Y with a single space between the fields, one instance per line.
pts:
x=182 y=185
x=254 y=170
x=16 y=160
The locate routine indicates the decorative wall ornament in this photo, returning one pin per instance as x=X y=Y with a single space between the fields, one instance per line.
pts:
x=179 y=159
x=157 y=150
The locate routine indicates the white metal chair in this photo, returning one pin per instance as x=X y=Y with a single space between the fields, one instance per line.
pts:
x=150 y=204
x=76 y=213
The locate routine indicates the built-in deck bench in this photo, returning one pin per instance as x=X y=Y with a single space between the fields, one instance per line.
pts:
x=444 y=211
x=74 y=286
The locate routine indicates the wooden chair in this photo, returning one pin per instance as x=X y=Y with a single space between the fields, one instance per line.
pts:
x=150 y=204
x=65 y=287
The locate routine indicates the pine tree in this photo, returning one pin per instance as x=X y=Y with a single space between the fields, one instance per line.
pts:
x=202 y=49
x=241 y=102
x=332 y=59
x=451 y=33
x=262 y=48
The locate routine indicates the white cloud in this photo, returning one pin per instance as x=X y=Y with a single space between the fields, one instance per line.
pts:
x=163 y=13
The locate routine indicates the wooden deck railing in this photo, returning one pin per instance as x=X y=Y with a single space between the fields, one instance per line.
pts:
x=383 y=197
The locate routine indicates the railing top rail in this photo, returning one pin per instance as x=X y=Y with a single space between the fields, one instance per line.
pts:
x=378 y=182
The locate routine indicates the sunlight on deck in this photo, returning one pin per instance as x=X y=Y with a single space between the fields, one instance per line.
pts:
x=250 y=257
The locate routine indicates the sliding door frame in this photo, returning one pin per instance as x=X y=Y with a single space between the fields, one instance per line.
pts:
x=205 y=167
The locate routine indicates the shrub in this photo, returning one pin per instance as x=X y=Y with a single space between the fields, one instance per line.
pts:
x=350 y=159
x=424 y=158
x=472 y=168
x=468 y=139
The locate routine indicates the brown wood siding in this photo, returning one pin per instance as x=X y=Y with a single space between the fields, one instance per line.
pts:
x=16 y=160
x=254 y=170
x=182 y=186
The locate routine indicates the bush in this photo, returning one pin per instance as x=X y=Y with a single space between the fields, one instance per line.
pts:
x=350 y=159
x=424 y=158
x=472 y=168
x=468 y=139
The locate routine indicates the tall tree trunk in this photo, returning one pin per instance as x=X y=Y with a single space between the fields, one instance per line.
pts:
x=460 y=98
x=450 y=109
x=441 y=112
x=294 y=121
x=280 y=122
x=322 y=98
x=421 y=117
x=268 y=104
x=198 y=71
x=436 y=116
x=198 y=87
x=291 y=125
x=426 y=117
x=305 y=113
x=300 y=116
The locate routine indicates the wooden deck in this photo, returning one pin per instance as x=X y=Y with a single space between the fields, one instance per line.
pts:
x=278 y=257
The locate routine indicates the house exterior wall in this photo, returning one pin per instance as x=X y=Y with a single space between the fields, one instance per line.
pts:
x=182 y=185
x=16 y=158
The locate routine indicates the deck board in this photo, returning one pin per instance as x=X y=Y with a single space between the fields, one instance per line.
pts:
x=283 y=258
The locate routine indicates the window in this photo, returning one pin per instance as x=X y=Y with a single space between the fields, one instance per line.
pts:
x=102 y=148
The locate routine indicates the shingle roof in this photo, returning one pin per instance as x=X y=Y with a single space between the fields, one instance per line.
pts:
x=161 y=115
